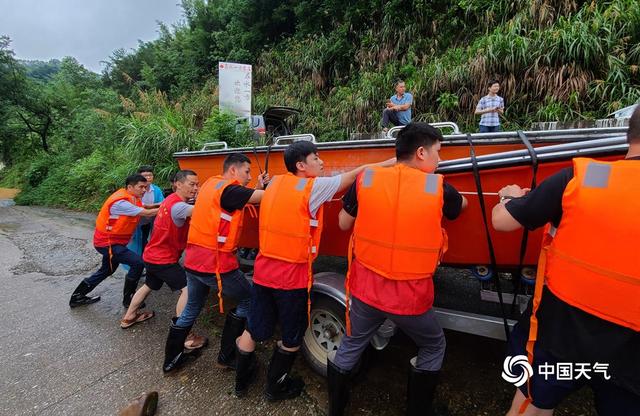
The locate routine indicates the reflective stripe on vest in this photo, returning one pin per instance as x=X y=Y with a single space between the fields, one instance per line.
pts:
x=592 y=263
x=211 y=226
x=398 y=232
x=287 y=230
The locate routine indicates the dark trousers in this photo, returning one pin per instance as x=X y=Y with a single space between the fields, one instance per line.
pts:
x=145 y=230
x=390 y=116
x=489 y=129
x=120 y=254
x=423 y=329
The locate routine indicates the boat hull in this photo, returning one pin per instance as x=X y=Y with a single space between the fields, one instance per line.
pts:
x=468 y=243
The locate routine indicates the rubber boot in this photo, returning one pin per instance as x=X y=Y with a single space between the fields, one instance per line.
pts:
x=174 y=355
x=246 y=367
x=233 y=328
x=79 y=298
x=145 y=405
x=200 y=341
x=130 y=287
x=338 y=381
x=421 y=390
x=280 y=385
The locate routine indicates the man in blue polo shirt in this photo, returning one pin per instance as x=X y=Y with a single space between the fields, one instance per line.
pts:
x=398 y=111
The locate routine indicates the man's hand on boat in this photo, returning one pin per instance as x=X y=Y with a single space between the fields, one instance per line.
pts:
x=501 y=218
x=512 y=191
x=263 y=180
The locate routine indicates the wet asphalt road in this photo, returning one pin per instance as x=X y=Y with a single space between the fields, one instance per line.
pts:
x=59 y=361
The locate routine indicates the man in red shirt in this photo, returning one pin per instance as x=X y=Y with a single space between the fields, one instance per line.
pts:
x=398 y=242
x=115 y=225
x=162 y=252
x=290 y=228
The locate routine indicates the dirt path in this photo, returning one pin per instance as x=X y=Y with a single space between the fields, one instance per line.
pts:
x=8 y=193
x=58 y=361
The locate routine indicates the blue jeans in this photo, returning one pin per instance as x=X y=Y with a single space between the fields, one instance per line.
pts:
x=489 y=129
x=234 y=285
x=120 y=254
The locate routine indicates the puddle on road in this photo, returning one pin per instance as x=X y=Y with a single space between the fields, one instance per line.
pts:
x=7 y=228
x=6 y=203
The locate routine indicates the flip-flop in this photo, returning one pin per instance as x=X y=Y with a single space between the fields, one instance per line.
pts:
x=141 y=316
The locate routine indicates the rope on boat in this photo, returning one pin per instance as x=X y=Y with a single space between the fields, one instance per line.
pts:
x=492 y=255
x=525 y=232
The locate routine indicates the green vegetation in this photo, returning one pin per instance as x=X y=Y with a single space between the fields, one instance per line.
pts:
x=70 y=136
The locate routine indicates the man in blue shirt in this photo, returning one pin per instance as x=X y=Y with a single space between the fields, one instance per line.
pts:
x=398 y=111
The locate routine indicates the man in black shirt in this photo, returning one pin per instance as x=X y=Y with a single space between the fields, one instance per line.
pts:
x=566 y=333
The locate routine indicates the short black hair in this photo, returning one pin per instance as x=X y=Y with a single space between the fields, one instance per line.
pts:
x=145 y=168
x=491 y=82
x=398 y=82
x=134 y=179
x=633 y=134
x=298 y=152
x=181 y=175
x=413 y=136
x=234 y=159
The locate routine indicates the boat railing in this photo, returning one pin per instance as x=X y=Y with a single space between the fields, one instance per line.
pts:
x=210 y=145
x=393 y=131
x=285 y=140
x=608 y=145
x=534 y=136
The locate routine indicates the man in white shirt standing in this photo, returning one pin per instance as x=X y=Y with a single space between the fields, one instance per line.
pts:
x=490 y=107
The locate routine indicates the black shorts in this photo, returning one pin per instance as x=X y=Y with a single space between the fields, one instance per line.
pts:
x=286 y=307
x=549 y=391
x=171 y=274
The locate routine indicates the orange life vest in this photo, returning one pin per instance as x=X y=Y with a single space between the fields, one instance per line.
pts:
x=591 y=260
x=119 y=227
x=398 y=231
x=287 y=230
x=213 y=227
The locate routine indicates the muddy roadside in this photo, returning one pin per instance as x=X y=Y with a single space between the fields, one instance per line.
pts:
x=63 y=361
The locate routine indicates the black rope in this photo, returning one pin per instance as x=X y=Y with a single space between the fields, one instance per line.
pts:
x=255 y=155
x=525 y=232
x=492 y=255
x=266 y=159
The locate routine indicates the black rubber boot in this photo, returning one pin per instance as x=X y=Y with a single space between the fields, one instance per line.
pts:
x=338 y=381
x=246 y=367
x=129 y=290
x=280 y=385
x=174 y=355
x=79 y=296
x=421 y=390
x=233 y=328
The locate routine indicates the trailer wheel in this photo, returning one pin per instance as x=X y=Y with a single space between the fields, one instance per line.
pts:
x=324 y=334
x=528 y=275
x=482 y=273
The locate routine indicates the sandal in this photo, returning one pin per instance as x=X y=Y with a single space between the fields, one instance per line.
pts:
x=141 y=316
x=195 y=342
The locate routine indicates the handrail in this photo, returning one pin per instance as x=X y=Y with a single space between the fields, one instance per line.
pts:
x=439 y=125
x=210 y=144
x=294 y=138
